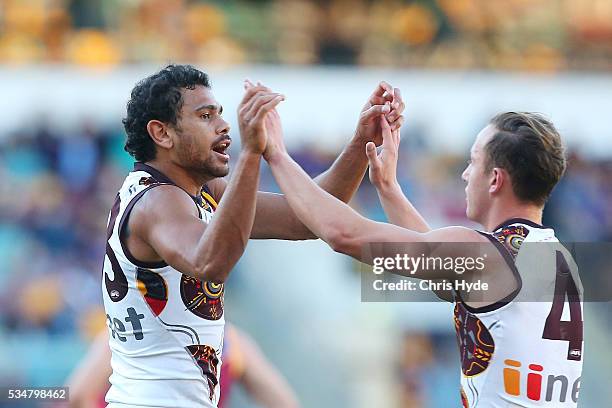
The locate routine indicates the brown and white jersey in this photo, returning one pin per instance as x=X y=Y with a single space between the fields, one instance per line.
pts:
x=166 y=328
x=527 y=349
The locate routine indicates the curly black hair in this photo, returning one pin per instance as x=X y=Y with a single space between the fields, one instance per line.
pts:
x=157 y=97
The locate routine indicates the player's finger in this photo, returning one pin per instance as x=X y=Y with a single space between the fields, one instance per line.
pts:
x=397 y=94
x=259 y=83
x=386 y=131
x=274 y=113
x=393 y=115
x=376 y=110
x=372 y=155
x=398 y=123
x=381 y=89
x=257 y=103
x=397 y=106
x=251 y=108
x=268 y=106
x=396 y=137
x=246 y=104
x=396 y=110
x=248 y=99
x=249 y=93
x=378 y=100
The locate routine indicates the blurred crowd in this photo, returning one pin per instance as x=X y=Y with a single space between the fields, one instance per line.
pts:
x=57 y=188
x=539 y=35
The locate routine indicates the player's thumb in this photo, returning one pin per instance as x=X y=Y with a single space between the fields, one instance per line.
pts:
x=371 y=153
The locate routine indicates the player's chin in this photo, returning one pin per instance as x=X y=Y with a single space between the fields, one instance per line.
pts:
x=468 y=212
x=218 y=164
x=220 y=170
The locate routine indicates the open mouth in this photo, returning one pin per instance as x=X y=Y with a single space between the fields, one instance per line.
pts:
x=221 y=148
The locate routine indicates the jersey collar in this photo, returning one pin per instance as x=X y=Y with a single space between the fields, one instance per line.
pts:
x=519 y=221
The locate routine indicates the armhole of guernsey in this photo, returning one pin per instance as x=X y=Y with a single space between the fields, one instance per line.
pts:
x=123 y=223
x=510 y=262
x=208 y=196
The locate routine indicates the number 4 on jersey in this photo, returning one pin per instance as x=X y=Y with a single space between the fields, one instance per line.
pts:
x=563 y=330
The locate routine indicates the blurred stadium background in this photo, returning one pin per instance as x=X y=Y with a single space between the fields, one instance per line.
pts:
x=67 y=68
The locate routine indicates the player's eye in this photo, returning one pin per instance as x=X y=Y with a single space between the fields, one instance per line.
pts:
x=205 y=115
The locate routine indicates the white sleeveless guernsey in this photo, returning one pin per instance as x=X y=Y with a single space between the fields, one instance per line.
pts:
x=526 y=350
x=166 y=328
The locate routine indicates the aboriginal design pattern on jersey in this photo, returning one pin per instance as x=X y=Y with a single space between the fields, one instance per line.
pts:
x=153 y=288
x=476 y=345
x=204 y=299
x=206 y=358
x=511 y=237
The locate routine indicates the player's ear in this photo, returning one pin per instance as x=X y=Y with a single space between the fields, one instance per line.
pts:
x=159 y=133
x=497 y=180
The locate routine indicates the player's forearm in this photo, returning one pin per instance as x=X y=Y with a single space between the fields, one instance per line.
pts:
x=399 y=209
x=344 y=176
x=228 y=233
x=341 y=180
x=324 y=215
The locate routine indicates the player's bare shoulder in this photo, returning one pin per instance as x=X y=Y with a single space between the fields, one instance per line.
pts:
x=162 y=203
x=157 y=210
x=455 y=234
x=457 y=241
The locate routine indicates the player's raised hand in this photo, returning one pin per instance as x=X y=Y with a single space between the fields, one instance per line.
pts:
x=257 y=102
x=274 y=130
x=384 y=100
x=276 y=144
x=383 y=165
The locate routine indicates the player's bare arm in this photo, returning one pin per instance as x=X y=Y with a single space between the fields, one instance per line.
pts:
x=398 y=209
x=164 y=224
x=274 y=217
x=383 y=175
x=344 y=229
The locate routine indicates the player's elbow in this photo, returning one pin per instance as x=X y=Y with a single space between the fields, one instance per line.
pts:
x=217 y=262
x=215 y=272
x=342 y=239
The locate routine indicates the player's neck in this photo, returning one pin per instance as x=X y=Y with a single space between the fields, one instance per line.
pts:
x=179 y=176
x=499 y=215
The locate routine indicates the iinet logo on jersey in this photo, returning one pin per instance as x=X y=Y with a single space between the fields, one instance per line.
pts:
x=555 y=384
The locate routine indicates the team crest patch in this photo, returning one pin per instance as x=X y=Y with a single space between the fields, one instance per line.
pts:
x=512 y=237
x=476 y=345
x=204 y=299
x=206 y=358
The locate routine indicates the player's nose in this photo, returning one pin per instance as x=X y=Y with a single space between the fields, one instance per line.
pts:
x=223 y=128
